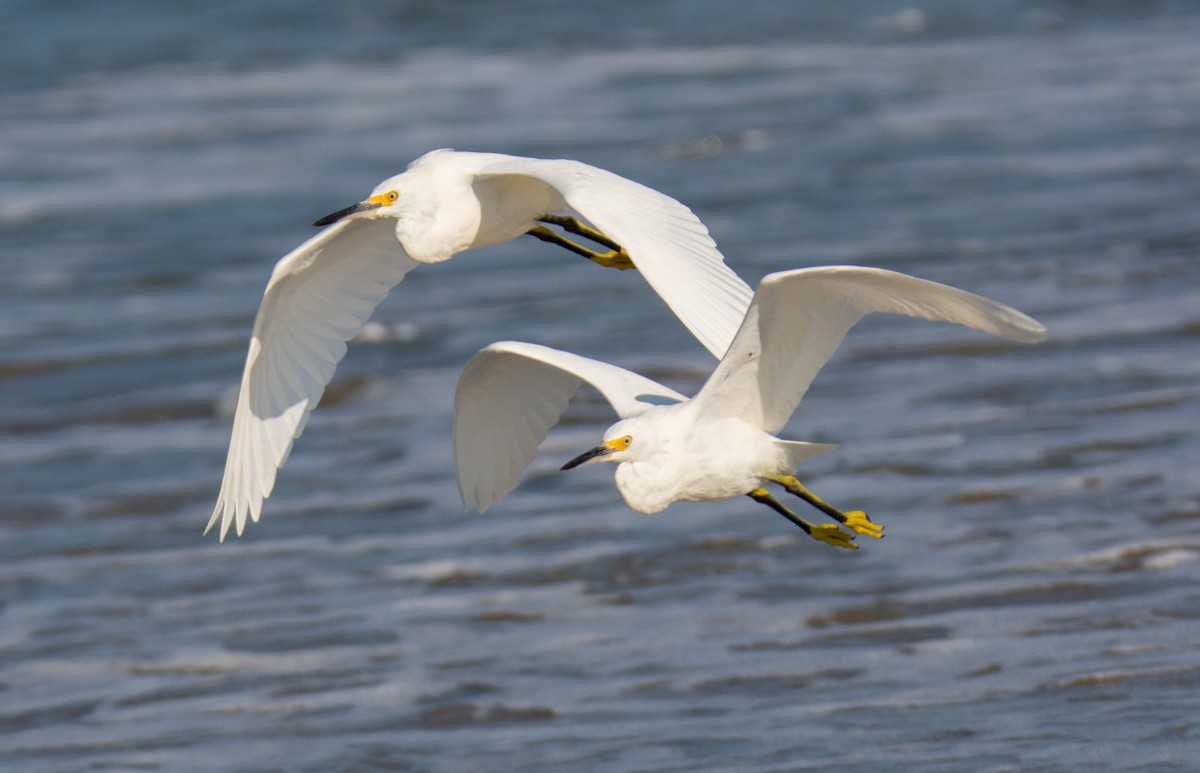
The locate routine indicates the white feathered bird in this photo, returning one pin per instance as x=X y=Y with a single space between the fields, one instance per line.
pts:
x=321 y=293
x=720 y=443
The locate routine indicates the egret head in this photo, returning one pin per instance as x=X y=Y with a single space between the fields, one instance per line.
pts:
x=384 y=201
x=623 y=442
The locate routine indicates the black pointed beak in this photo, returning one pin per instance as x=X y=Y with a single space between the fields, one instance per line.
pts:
x=594 y=455
x=342 y=214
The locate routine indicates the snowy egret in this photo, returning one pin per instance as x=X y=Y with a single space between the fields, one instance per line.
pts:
x=446 y=202
x=720 y=443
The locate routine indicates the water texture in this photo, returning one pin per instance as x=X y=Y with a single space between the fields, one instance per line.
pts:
x=1034 y=605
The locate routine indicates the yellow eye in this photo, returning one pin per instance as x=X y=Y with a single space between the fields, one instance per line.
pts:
x=626 y=442
x=391 y=196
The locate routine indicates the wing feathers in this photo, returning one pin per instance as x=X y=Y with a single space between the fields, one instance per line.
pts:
x=670 y=246
x=798 y=318
x=508 y=398
x=318 y=297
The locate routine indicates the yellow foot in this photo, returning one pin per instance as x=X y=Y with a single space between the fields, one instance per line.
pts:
x=619 y=260
x=858 y=520
x=832 y=535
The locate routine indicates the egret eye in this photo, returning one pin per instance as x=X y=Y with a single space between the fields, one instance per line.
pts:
x=627 y=441
x=391 y=196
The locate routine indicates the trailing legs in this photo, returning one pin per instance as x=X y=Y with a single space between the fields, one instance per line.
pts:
x=616 y=257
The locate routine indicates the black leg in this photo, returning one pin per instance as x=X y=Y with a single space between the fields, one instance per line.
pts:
x=546 y=235
x=616 y=257
x=827 y=533
x=572 y=225
x=854 y=519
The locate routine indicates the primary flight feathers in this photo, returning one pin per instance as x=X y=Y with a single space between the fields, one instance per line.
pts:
x=799 y=318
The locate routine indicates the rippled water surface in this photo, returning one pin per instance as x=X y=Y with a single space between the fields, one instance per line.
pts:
x=1034 y=606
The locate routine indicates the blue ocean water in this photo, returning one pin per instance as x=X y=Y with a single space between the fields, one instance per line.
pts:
x=1033 y=607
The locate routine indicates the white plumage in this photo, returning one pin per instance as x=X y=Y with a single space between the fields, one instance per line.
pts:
x=720 y=443
x=321 y=293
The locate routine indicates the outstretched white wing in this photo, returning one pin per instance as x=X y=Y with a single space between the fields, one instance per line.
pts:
x=319 y=295
x=508 y=398
x=798 y=318
x=669 y=244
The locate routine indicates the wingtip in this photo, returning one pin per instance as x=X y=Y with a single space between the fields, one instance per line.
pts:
x=476 y=503
x=212 y=521
x=1026 y=329
x=229 y=515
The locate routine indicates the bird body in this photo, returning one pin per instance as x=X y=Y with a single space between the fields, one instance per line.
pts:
x=446 y=202
x=720 y=443
x=737 y=455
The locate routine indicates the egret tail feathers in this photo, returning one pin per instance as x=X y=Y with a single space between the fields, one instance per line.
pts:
x=797 y=450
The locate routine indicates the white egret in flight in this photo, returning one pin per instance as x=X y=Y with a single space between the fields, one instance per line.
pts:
x=720 y=443
x=321 y=293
